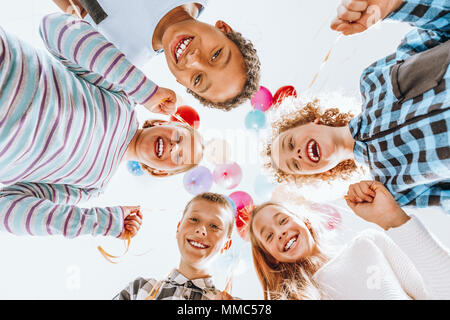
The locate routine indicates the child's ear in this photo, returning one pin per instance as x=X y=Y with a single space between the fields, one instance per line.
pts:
x=223 y=26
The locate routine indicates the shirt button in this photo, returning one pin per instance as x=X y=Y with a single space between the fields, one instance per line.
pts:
x=186 y=296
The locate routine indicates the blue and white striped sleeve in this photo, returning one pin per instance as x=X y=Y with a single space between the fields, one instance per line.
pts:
x=91 y=56
x=39 y=209
x=432 y=15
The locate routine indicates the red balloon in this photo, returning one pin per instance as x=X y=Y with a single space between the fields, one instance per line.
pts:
x=244 y=207
x=283 y=92
x=189 y=115
x=243 y=220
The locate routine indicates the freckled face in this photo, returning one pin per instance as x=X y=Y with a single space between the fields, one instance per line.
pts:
x=306 y=149
x=285 y=237
x=203 y=231
x=168 y=147
x=204 y=60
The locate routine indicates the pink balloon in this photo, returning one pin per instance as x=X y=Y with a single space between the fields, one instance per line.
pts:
x=227 y=175
x=262 y=100
x=333 y=216
x=241 y=199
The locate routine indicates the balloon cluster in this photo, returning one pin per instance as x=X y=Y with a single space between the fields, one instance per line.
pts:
x=262 y=101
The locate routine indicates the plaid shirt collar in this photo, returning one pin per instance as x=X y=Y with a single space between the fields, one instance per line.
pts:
x=204 y=284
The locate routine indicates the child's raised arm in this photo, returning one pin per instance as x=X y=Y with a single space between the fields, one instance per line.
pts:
x=86 y=52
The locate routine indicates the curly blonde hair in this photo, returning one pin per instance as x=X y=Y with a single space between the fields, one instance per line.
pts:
x=309 y=113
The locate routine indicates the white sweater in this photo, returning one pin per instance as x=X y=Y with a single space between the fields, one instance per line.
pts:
x=402 y=263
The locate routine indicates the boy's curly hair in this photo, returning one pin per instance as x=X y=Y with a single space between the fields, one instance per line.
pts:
x=309 y=113
x=252 y=68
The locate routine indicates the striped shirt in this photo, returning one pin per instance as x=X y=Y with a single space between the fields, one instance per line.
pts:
x=404 y=136
x=174 y=287
x=66 y=120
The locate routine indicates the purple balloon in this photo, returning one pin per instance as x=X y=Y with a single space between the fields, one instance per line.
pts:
x=262 y=100
x=227 y=175
x=198 y=180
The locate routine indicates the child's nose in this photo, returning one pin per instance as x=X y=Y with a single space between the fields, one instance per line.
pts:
x=201 y=230
x=193 y=58
x=282 y=235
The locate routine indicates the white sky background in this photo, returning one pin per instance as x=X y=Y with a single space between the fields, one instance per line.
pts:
x=292 y=37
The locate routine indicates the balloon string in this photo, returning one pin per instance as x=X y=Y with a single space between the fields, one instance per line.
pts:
x=75 y=8
x=324 y=62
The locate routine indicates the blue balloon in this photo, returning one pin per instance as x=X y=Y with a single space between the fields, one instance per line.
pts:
x=264 y=187
x=135 y=168
x=198 y=180
x=255 y=120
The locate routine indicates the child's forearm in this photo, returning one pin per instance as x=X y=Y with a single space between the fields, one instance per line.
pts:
x=430 y=258
x=85 y=49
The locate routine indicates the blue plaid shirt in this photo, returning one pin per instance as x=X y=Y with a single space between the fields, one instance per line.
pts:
x=404 y=136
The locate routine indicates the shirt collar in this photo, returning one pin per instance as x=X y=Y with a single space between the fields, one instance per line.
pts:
x=202 y=283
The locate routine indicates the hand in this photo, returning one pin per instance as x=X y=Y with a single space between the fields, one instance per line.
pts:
x=371 y=201
x=355 y=16
x=132 y=222
x=163 y=101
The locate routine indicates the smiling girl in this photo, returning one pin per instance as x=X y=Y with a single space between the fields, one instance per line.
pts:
x=293 y=260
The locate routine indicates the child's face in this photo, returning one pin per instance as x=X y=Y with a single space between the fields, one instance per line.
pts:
x=168 y=147
x=203 y=231
x=285 y=237
x=204 y=60
x=306 y=149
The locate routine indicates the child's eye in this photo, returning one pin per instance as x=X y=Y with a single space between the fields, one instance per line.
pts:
x=283 y=221
x=216 y=54
x=291 y=144
x=197 y=79
x=215 y=227
x=269 y=236
x=193 y=219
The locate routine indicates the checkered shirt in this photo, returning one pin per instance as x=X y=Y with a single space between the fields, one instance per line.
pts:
x=174 y=287
x=406 y=143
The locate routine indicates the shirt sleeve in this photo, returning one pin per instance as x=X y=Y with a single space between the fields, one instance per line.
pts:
x=430 y=257
x=39 y=209
x=86 y=52
x=436 y=195
x=432 y=15
x=133 y=290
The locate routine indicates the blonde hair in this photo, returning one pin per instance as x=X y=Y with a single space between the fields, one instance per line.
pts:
x=307 y=114
x=289 y=281
x=151 y=171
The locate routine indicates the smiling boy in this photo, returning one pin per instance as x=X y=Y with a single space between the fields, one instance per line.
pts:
x=217 y=65
x=204 y=231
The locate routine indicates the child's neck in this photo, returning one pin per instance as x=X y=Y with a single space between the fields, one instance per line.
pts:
x=191 y=272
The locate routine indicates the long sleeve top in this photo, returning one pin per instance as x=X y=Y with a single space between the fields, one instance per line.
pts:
x=131 y=27
x=66 y=120
x=402 y=263
x=402 y=133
